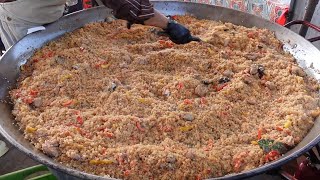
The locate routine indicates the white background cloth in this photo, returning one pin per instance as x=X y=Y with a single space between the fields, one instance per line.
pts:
x=18 y=16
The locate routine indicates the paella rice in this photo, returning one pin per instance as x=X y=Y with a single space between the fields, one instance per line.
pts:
x=131 y=104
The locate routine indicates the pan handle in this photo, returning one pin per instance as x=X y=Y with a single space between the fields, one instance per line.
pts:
x=317 y=28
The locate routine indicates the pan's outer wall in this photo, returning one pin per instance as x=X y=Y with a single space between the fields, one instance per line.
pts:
x=304 y=51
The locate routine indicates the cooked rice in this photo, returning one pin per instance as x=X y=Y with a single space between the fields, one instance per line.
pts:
x=130 y=104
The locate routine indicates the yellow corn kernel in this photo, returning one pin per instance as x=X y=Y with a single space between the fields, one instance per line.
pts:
x=205 y=40
x=181 y=106
x=142 y=100
x=107 y=162
x=244 y=113
x=65 y=77
x=210 y=51
x=105 y=66
x=30 y=129
x=226 y=92
x=184 y=106
x=287 y=124
x=94 y=162
x=186 y=128
x=254 y=142
x=80 y=146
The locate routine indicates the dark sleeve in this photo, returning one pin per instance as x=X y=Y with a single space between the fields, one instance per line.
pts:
x=132 y=10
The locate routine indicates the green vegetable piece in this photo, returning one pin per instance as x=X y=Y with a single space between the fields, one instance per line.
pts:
x=268 y=145
x=281 y=147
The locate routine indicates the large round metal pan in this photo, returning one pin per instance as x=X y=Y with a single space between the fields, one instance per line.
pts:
x=305 y=53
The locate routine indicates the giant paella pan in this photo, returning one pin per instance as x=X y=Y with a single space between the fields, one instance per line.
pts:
x=305 y=53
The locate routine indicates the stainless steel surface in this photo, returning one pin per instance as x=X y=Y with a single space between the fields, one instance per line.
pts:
x=304 y=51
x=9 y=71
x=14 y=160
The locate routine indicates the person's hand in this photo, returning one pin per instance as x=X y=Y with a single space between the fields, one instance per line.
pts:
x=178 y=33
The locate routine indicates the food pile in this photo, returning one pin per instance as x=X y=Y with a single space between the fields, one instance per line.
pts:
x=131 y=104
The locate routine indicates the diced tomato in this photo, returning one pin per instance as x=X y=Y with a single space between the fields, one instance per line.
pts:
x=126 y=172
x=237 y=164
x=259 y=133
x=162 y=42
x=180 y=85
x=109 y=134
x=33 y=93
x=80 y=120
x=220 y=87
x=167 y=44
x=138 y=124
x=187 y=101
x=28 y=100
x=50 y=54
x=198 y=177
x=67 y=103
x=78 y=129
x=279 y=128
x=35 y=60
x=272 y=155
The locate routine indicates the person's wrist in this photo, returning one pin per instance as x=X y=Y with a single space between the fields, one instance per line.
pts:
x=163 y=24
x=169 y=23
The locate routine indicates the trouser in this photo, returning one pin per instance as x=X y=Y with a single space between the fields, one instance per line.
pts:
x=18 y=16
x=1 y=46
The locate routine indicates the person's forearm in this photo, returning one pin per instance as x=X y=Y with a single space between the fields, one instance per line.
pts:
x=158 y=20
